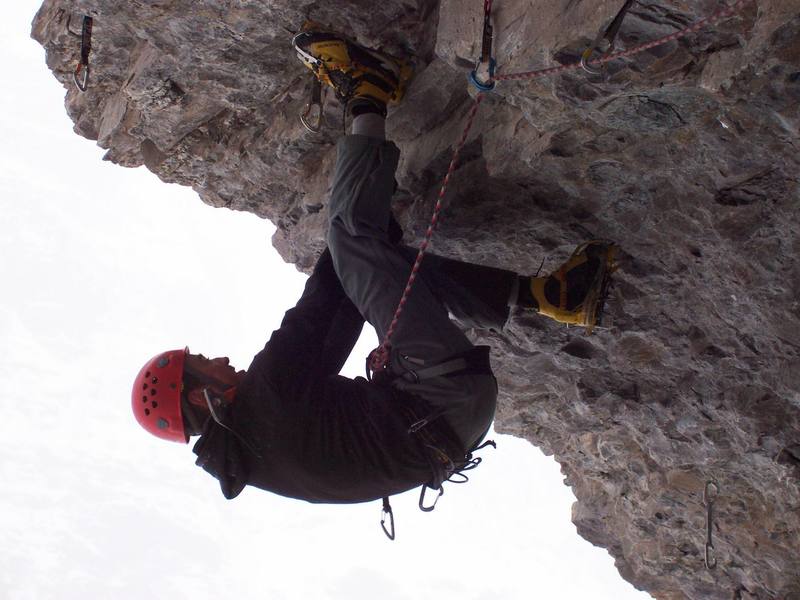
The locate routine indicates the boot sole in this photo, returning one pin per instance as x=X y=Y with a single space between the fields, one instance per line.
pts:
x=401 y=69
x=598 y=293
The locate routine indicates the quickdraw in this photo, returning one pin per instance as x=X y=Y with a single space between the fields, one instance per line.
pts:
x=610 y=35
x=81 y=74
x=710 y=493
x=378 y=359
x=482 y=75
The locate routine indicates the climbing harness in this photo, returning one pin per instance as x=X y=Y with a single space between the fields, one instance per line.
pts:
x=378 y=359
x=474 y=361
x=710 y=493
x=81 y=74
x=314 y=102
x=610 y=35
x=482 y=75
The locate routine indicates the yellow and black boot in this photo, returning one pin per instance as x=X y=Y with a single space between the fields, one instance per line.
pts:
x=575 y=293
x=354 y=72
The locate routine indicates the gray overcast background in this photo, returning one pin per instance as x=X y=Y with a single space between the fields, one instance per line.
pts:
x=102 y=267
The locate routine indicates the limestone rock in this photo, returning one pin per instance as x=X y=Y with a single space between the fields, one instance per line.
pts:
x=686 y=154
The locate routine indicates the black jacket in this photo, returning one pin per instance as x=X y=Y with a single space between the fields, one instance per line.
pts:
x=301 y=430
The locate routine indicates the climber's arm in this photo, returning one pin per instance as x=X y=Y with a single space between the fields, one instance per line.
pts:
x=316 y=336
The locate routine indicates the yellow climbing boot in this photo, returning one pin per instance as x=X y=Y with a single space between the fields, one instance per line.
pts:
x=575 y=294
x=353 y=71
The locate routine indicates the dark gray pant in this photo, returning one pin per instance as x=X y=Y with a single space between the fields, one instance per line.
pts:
x=374 y=271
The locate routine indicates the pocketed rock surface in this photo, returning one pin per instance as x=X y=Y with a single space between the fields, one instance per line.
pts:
x=686 y=154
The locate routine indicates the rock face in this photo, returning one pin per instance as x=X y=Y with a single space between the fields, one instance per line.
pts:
x=686 y=154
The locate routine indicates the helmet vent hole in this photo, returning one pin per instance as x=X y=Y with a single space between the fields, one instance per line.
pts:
x=147 y=374
x=144 y=399
x=154 y=380
x=154 y=404
x=152 y=391
x=147 y=411
x=144 y=387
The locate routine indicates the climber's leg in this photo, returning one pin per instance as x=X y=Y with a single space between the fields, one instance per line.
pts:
x=374 y=271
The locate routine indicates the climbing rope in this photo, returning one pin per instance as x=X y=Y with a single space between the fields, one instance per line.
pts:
x=378 y=359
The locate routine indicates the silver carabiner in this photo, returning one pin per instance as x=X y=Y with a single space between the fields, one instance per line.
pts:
x=83 y=84
x=585 y=56
x=387 y=510
x=315 y=101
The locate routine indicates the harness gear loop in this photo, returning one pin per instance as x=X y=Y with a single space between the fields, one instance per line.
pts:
x=387 y=510
x=482 y=76
x=82 y=69
x=610 y=34
x=710 y=493
x=314 y=101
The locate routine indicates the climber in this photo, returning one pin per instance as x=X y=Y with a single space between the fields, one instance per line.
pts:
x=291 y=424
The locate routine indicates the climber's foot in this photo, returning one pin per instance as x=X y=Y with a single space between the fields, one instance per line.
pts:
x=575 y=294
x=354 y=72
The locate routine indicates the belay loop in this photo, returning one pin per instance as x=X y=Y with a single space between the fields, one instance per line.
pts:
x=81 y=74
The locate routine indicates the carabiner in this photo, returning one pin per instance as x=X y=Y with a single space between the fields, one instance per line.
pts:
x=484 y=84
x=387 y=510
x=315 y=101
x=610 y=34
x=430 y=508
x=585 y=62
x=82 y=85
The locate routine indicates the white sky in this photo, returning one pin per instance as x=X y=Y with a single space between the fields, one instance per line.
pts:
x=101 y=267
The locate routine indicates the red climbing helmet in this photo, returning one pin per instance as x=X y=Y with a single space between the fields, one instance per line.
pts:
x=156 y=396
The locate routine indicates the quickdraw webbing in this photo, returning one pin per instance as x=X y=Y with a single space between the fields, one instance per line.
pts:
x=379 y=358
